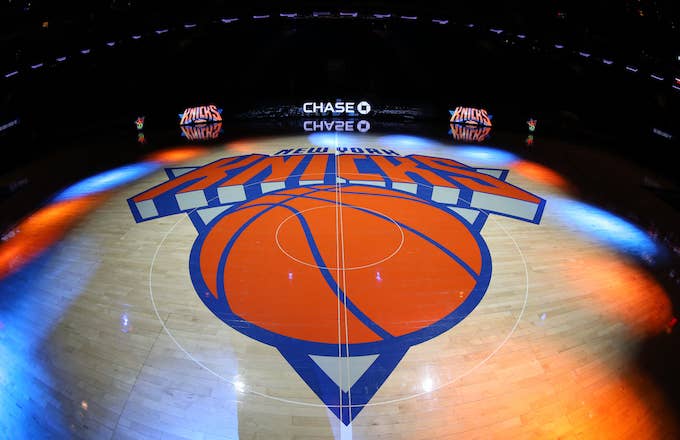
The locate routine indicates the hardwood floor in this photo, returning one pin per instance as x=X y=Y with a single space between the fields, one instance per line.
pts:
x=104 y=335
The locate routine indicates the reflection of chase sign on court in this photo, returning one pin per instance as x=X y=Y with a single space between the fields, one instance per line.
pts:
x=337 y=125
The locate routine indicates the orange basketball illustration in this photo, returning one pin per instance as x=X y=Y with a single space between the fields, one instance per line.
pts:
x=386 y=262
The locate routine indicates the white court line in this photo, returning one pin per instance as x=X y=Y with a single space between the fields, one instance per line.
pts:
x=337 y=278
x=346 y=434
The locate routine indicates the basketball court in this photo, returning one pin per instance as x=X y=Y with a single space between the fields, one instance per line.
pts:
x=331 y=286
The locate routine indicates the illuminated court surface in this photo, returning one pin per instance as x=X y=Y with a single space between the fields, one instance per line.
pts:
x=297 y=288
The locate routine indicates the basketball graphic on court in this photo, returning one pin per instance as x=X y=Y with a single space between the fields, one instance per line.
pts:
x=374 y=255
x=416 y=264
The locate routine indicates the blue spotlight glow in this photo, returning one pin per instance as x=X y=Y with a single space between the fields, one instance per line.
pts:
x=333 y=139
x=406 y=141
x=22 y=362
x=603 y=226
x=484 y=156
x=107 y=180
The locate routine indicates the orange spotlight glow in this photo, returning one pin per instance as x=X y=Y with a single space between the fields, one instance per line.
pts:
x=607 y=279
x=541 y=174
x=41 y=230
x=593 y=373
x=243 y=146
x=176 y=155
x=598 y=414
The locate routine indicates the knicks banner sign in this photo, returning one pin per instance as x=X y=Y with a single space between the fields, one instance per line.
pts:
x=342 y=262
x=470 y=116
x=200 y=115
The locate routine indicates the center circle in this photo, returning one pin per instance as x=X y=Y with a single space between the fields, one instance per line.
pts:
x=371 y=236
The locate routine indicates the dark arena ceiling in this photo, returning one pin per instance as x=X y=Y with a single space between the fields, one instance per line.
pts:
x=581 y=67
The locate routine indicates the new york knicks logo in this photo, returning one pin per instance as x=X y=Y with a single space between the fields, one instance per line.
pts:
x=470 y=116
x=373 y=252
